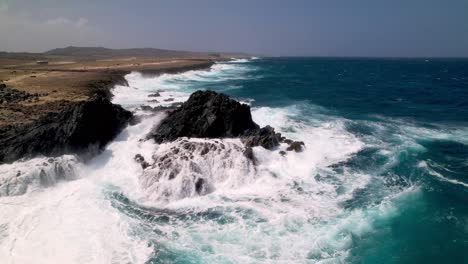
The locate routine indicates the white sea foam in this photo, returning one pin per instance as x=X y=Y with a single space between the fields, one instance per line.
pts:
x=73 y=222
x=423 y=164
x=22 y=176
x=239 y=61
x=286 y=209
x=191 y=167
x=283 y=191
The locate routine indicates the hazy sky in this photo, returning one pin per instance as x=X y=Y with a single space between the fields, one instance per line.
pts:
x=275 y=27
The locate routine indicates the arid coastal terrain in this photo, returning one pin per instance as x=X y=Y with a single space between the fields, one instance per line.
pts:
x=37 y=89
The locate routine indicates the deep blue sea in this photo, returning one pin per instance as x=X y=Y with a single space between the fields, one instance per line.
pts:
x=383 y=177
x=411 y=116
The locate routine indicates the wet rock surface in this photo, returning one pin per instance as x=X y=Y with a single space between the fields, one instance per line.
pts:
x=140 y=159
x=205 y=114
x=189 y=167
x=156 y=94
x=160 y=108
x=265 y=137
x=83 y=128
x=12 y=95
x=191 y=156
x=297 y=146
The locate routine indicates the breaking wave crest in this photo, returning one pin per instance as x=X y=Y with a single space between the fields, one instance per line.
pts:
x=203 y=200
x=193 y=167
x=23 y=176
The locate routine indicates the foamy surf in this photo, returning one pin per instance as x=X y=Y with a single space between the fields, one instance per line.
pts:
x=286 y=209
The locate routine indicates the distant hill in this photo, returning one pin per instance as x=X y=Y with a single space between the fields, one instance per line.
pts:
x=106 y=52
x=84 y=53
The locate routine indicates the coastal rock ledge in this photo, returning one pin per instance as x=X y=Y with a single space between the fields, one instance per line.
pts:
x=207 y=114
x=82 y=128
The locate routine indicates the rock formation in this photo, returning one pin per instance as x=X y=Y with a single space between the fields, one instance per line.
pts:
x=188 y=167
x=207 y=114
x=81 y=128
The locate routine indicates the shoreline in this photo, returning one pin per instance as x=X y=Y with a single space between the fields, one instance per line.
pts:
x=33 y=108
x=53 y=88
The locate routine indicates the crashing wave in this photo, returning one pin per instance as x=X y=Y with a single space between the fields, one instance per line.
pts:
x=191 y=167
x=23 y=176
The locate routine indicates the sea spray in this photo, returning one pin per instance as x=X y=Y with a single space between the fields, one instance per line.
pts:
x=192 y=167
x=22 y=176
x=361 y=191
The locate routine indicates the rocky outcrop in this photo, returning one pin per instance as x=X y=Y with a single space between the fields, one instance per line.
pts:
x=156 y=94
x=265 y=137
x=207 y=114
x=297 y=146
x=192 y=167
x=81 y=128
x=140 y=159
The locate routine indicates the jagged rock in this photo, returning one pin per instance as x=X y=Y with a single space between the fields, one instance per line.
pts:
x=169 y=100
x=140 y=159
x=146 y=108
x=296 y=146
x=82 y=128
x=199 y=184
x=175 y=105
x=159 y=108
x=156 y=94
x=265 y=137
x=208 y=114
x=205 y=114
x=282 y=153
x=248 y=153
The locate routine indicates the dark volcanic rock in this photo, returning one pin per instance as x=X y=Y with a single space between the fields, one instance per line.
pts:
x=81 y=128
x=248 y=153
x=156 y=94
x=296 y=146
x=206 y=114
x=146 y=108
x=265 y=137
x=140 y=159
x=160 y=108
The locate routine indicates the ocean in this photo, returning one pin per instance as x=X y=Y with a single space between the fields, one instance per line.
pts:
x=383 y=177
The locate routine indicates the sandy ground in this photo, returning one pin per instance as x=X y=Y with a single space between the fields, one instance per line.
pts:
x=65 y=80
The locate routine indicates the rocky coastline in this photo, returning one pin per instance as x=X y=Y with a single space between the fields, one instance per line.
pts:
x=34 y=126
x=81 y=128
x=84 y=127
